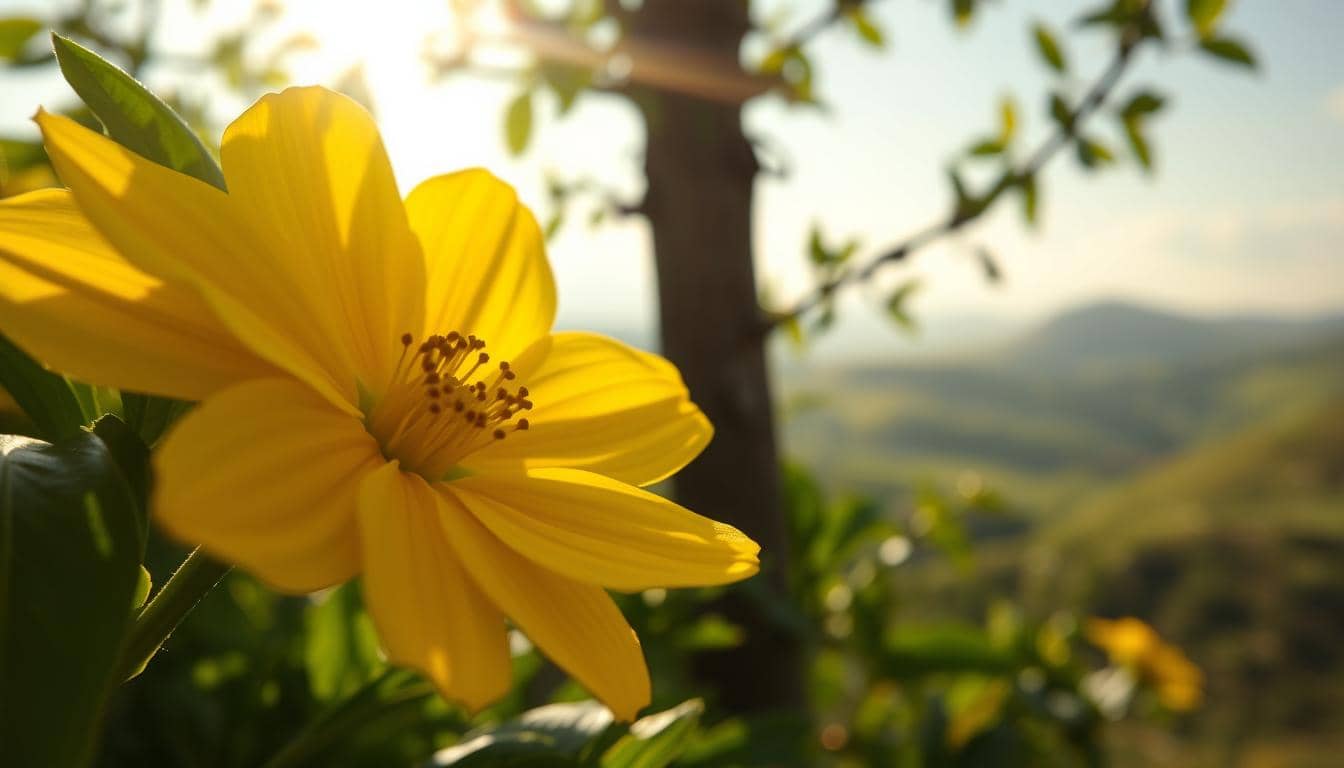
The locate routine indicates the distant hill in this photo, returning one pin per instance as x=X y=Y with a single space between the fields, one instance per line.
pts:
x=1088 y=398
x=1116 y=334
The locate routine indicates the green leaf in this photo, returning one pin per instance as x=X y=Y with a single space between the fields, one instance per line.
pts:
x=383 y=701
x=342 y=645
x=986 y=148
x=1048 y=47
x=1142 y=104
x=1229 y=50
x=1061 y=112
x=134 y=117
x=553 y=735
x=48 y=398
x=869 y=32
x=1138 y=143
x=1007 y=120
x=566 y=82
x=15 y=34
x=655 y=741
x=896 y=305
x=1027 y=188
x=963 y=11
x=911 y=652
x=69 y=570
x=1093 y=154
x=1204 y=15
x=151 y=416
x=518 y=123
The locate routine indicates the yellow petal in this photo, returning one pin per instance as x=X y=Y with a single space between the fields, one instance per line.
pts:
x=266 y=475
x=307 y=165
x=429 y=614
x=599 y=531
x=600 y=406
x=485 y=261
x=182 y=230
x=576 y=625
x=78 y=307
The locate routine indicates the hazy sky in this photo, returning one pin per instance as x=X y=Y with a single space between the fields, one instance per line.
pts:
x=1246 y=212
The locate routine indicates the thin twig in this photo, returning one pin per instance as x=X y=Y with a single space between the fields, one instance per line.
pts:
x=1094 y=99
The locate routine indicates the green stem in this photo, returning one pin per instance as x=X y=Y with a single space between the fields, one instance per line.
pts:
x=193 y=579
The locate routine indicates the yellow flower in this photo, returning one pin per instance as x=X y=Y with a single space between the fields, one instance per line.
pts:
x=381 y=392
x=1131 y=643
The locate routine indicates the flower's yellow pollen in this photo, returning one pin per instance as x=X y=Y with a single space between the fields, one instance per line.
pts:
x=437 y=407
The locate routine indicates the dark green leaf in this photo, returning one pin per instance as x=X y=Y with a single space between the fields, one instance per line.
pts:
x=151 y=416
x=48 y=398
x=386 y=698
x=1204 y=15
x=655 y=741
x=1143 y=103
x=1229 y=50
x=69 y=569
x=1061 y=112
x=1049 y=48
x=518 y=123
x=134 y=117
x=552 y=735
x=15 y=34
x=1027 y=188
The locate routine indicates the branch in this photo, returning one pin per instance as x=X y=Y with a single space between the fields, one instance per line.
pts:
x=1095 y=98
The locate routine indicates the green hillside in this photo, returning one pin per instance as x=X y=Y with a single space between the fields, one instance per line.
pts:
x=1049 y=433
x=1236 y=552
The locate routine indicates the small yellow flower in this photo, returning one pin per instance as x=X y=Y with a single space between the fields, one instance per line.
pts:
x=1132 y=644
x=381 y=392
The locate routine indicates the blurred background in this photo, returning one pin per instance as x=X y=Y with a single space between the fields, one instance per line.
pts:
x=1038 y=305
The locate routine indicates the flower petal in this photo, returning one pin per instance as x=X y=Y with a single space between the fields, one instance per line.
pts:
x=599 y=531
x=485 y=261
x=600 y=406
x=577 y=625
x=308 y=166
x=182 y=230
x=429 y=614
x=266 y=474
x=78 y=307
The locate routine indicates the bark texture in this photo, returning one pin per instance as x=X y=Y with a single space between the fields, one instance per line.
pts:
x=701 y=173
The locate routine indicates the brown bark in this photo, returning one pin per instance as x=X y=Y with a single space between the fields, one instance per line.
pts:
x=701 y=172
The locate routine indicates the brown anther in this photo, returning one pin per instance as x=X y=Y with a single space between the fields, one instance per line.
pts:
x=478 y=344
x=434 y=408
x=509 y=375
x=522 y=391
x=480 y=420
x=427 y=365
x=501 y=394
x=484 y=358
x=458 y=406
x=522 y=425
x=480 y=397
x=453 y=336
x=406 y=339
x=499 y=434
x=432 y=392
x=480 y=385
x=503 y=365
x=525 y=403
x=432 y=377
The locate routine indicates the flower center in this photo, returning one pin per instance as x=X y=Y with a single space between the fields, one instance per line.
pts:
x=445 y=400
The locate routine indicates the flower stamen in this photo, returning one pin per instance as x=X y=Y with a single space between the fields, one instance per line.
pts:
x=438 y=408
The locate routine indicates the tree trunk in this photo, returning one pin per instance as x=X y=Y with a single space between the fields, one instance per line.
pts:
x=701 y=171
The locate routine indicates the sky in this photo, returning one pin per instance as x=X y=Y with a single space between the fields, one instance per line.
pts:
x=1244 y=214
